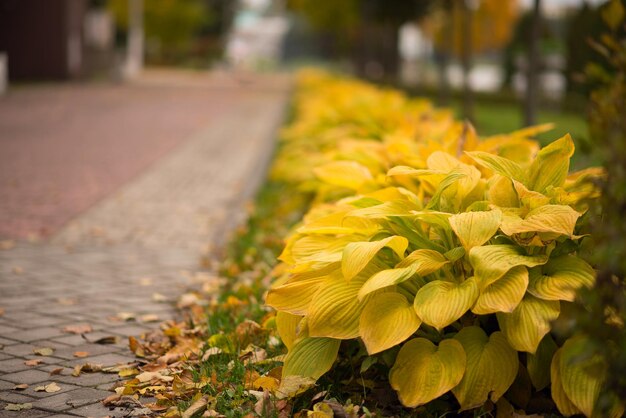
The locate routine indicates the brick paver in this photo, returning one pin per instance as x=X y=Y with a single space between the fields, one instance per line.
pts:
x=135 y=250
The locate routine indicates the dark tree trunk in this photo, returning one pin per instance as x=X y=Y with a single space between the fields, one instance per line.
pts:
x=445 y=54
x=466 y=60
x=531 y=101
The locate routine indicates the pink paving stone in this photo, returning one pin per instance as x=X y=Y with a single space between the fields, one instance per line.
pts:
x=65 y=147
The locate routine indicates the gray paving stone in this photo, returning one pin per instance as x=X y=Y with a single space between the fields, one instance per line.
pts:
x=99 y=410
x=15 y=397
x=27 y=376
x=28 y=413
x=70 y=400
x=92 y=349
x=36 y=334
x=65 y=387
x=90 y=380
x=110 y=359
x=13 y=365
x=4 y=385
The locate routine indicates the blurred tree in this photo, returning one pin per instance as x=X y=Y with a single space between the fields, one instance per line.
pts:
x=170 y=25
x=533 y=60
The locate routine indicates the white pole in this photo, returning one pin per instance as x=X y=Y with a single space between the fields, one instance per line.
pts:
x=4 y=72
x=135 y=47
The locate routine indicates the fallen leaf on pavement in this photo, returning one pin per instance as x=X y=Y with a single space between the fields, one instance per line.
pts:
x=157 y=297
x=18 y=270
x=1 y=311
x=81 y=354
x=20 y=386
x=78 y=329
x=56 y=371
x=197 y=406
x=67 y=301
x=7 y=244
x=87 y=367
x=145 y=281
x=18 y=406
x=43 y=351
x=149 y=318
x=50 y=388
x=111 y=339
x=125 y=316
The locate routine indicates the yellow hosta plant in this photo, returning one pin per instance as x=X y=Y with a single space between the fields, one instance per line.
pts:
x=452 y=253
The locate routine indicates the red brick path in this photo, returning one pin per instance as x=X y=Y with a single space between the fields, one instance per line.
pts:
x=63 y=148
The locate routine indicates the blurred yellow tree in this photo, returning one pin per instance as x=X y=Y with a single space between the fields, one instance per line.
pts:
x=493 y=22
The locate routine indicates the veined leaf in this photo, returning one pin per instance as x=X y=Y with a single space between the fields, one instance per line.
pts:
x=441 y=303
x=387 y=320
x=559 y=219
x=490 y=262
x=294 y=297
x=502 y=193
x=475 y=228
x=435 y=218
x=422 y=262
x=491 y=367
x=551 y=165
x=386 y=209
x=423 y=372
x=356 y=255
x=563 y=403
x=528 y=323
x=538 y=364
x=504 y=294
x=349 y=174
x=287 y=326
x=560 y=278
x=500 y=165
x=311 y=357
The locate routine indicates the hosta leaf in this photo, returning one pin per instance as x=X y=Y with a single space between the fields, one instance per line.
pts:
x=423 y=372
x=475 y=228
x=432 y=217
x=335 y=309
x=563 y=403
x=349 y=174
x=356 y=255
x=581 y=373
x=504 y=294
x=287 y=326
x=491 y=367
x=502 y=193
x=490 y=262
x=559 y=219
x=551 y=165
x=560 y=278
x=528 y=323
x=538 y=364
x=420 y=262
x=387 y=320
x=294 y=297
x=387 y=209
x=311 y=357
x=441 y=303
x=503 y=166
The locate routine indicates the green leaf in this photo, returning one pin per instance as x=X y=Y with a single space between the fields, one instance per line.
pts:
x=538 y=364
x=423 y=372
x=311 y=357
x=528 y=323
x=504 y=294
x=503 y=166
x=560 y=278
x=491 y=262
x=475 y=228
x=387 y=320
x=349 y=174
x=551 y=165
x=491 y=367
x=441 y=303
x=356 y=255
x=422 y=262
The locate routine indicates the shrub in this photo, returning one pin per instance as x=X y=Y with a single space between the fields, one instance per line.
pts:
x=447 y=255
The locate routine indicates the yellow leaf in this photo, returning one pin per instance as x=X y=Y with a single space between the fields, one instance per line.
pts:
x=538 y=364
x=504 y=294
x=551 y=165
x=491 y=367
x=422 y=262
x=563 y=403
x=500 y=165
x=386 y=209
x=558 y=219
x=441 y=303
x=294 y=298
x=528 y=323
x=287 y=325
x=560 y=278
x=475 y=228
x=311 y=357
x=423 y=372
x=502 y=193
x=266 y=383
x=491 y=262
x=387 y=320
x=349 y=174
x=356 y=255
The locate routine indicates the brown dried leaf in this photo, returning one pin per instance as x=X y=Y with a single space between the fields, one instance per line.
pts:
x=197 y=406
x=49 y=388
x=21 y=386
x=7 y=244
x=18 y=406
x=32 y=363
x=149 y=318
x=43 y=351
x=56 y=371
x=111 y=339
x=78 y=329
x=136 y=347
x=81 y=354
x=1 y=311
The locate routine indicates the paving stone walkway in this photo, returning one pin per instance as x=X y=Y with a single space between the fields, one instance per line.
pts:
x=138 y=247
